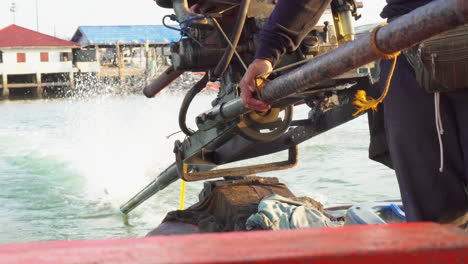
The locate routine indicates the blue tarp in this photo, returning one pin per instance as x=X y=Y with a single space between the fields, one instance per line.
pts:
x=89 y=35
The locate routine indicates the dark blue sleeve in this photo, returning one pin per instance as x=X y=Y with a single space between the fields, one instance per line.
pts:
x=289 y=23
x=396 y=8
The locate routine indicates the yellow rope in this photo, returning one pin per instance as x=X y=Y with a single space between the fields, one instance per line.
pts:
x=182 y=194
x=376 y=48
x=364 y=102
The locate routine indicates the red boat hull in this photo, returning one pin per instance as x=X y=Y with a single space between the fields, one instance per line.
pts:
x=397 y=243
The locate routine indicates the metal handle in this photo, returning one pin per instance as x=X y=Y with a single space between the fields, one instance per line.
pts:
x=161 y=82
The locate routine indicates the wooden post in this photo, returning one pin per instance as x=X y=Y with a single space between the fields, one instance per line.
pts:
x=39 y=85
x=160 y=59
x=72 y=80
x=98 y=60
x=120 y=63
x=147 y=61
x=156 y=57
x=6 y=91
x=98 y=57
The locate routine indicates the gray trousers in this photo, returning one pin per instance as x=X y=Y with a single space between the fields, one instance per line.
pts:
x=412 y=139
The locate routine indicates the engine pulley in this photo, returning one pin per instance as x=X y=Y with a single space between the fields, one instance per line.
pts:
x=266 y=126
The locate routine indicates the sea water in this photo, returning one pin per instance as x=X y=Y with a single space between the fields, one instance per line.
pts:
x=66 y=165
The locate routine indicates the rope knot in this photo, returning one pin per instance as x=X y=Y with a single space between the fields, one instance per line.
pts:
x=375 y=47
x=361 y=100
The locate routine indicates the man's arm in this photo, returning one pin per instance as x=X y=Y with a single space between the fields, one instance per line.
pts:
x=288 y=25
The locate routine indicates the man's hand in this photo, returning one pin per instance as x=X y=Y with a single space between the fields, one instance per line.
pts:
x=248 y=85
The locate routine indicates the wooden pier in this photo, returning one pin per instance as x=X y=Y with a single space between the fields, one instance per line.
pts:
x=33 y=64
x=34 y=85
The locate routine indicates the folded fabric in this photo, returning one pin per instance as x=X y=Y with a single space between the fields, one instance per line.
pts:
x=276 y=212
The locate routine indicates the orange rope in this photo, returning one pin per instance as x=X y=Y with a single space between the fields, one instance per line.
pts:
x=376 y=49
x=364 y=102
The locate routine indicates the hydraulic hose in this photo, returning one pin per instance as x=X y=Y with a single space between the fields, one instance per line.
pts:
x=235 y=36
x=186 y=103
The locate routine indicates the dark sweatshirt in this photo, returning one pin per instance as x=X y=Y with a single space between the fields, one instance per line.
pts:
x=292 y=20
x=396 y=8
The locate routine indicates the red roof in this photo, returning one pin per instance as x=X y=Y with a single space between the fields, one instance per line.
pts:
x=16 y=36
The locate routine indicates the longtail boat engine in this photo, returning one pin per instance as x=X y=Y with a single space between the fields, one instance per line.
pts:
x=220 y=38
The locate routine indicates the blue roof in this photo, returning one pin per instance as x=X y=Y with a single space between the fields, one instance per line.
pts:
x=88 y=35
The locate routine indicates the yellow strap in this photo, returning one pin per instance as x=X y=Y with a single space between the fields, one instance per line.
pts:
x=182 y=194
x=364 y=102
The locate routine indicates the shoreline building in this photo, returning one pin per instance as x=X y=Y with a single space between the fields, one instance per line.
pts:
x=32 y=63
x=124 y=53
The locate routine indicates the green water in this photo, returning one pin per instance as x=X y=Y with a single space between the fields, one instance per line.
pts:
x=67 y=165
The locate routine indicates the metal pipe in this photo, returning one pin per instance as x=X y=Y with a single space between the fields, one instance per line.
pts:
x=163 y=80
x=164 y=179
x=221 y=113
x=419 y=25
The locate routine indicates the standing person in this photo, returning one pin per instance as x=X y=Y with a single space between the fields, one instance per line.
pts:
x=426 y=133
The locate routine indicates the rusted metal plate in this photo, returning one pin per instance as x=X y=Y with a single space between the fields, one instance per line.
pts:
x=238 y=171
x=415 y=243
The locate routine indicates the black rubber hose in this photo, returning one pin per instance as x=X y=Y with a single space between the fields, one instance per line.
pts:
x=186 y=103
x=235 y=36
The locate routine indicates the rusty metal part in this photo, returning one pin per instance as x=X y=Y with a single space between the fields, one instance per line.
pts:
x=183 y=168
x=209 y=186
x=412 y=28
x=265 y=126
x=163 y=80
x=187 y=55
